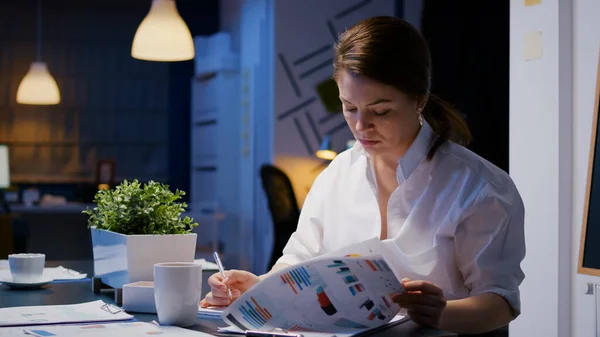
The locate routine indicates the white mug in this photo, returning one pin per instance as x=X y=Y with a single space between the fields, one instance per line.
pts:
x=177 y=291
x=26 y=268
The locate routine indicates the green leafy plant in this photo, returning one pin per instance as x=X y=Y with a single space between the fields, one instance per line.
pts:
x=133 y=208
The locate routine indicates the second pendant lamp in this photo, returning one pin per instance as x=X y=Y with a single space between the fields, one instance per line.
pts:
x=163 y=35
x=38 y=87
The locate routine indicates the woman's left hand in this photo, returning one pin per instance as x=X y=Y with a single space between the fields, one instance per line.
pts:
x=424 y=301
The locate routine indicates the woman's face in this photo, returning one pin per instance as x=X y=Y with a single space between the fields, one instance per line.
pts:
x=382 y=118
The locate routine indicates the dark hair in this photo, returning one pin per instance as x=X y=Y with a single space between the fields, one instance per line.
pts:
x=391 y=51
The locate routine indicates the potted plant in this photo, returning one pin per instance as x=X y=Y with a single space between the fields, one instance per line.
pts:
x=134 y=226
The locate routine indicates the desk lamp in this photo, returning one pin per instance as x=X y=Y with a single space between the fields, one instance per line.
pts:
x=326 y=150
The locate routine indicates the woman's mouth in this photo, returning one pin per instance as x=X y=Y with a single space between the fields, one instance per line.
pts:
x=367 y=142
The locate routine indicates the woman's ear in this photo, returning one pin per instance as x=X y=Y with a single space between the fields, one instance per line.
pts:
x=420 y=102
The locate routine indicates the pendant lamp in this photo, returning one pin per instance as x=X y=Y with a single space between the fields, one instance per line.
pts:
x=163 y=35
x=38 y=87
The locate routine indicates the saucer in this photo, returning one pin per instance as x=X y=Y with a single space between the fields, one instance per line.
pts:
x=8 y=281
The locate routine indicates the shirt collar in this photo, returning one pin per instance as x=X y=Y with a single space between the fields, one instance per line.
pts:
x=416 y=153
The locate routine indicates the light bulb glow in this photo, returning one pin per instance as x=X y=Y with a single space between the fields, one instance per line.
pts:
x=326 y=154
x=38 y=87
x=163 y=35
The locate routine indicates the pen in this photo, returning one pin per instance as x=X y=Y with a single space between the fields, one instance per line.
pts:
x=220 y=265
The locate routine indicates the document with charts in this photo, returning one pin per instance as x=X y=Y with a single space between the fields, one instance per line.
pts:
x=345 y=292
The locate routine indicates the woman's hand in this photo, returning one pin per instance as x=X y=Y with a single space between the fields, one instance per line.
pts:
x=237 y=280
x=423 y=300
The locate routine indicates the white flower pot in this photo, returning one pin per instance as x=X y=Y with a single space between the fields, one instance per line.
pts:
x=120 y=259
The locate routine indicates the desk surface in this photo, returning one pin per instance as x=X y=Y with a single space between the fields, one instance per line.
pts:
x=81 y=291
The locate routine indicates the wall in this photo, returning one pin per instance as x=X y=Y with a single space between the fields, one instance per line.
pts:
x=551 y=110
x=304 y=57
x=251 y=25
x=411 y=11
x=586 y=38
x=113 y=106
x=540 y=149
x=476 y=80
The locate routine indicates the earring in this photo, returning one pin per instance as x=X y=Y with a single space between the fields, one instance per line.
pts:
x=420 y=116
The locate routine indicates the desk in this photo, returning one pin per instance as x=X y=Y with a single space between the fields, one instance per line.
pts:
x=81 y=291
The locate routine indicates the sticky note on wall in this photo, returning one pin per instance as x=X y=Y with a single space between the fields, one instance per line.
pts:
x=532 y=2
x=532 y=48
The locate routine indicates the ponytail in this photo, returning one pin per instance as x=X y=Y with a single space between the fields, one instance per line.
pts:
x=446 y=123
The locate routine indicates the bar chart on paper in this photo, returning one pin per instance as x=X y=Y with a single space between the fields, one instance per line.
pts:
x=297 y=279
x=254 y=314
x=327 y=294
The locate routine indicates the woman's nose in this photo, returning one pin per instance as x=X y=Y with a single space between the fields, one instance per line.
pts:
x=363 y=123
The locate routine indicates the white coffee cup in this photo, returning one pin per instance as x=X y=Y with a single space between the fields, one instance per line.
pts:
x=177 y=291
x=26 y=268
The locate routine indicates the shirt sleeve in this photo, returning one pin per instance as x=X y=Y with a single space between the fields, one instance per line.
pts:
x=490 y=245
x=307 y=241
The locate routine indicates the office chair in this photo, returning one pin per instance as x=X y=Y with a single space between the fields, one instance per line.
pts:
x=282 y=205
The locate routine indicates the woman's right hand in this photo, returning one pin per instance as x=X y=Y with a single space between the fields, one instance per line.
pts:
x=237 y=280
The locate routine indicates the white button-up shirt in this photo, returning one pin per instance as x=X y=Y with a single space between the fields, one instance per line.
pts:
x=456 y=219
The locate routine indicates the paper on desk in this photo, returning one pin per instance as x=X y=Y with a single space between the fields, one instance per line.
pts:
x=206 y=265
x=62 y=273
x=96 y=311
x=396 y=320
x=56 y=273
x=131 y=329
x=211 y=311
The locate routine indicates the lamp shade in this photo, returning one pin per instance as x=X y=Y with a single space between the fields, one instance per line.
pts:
x=163 y=35
x=38 y=86
x=326 y=151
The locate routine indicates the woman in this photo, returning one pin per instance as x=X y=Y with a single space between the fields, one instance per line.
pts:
x=456 y=218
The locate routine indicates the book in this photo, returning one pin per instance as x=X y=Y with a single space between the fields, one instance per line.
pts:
x=344 y=292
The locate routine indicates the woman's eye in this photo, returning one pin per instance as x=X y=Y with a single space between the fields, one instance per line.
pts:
x=350 y=109
x=382 y=113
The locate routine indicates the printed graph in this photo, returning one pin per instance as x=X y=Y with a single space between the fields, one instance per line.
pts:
x=336 y=264
x=343 y=270
x=297 y=279
x=297 y=327
x=350 y=279
x=254 y=314
x=368 y=304
x=355 y=289
x=378 y=265
x=325 y=302
x=386 y=302
x=375 y=314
